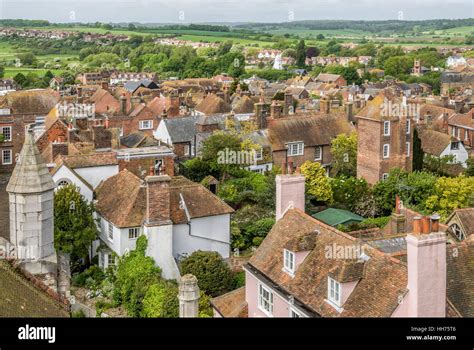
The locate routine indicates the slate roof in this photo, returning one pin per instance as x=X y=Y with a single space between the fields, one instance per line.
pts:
x=312 y=130
x=334 y=217
x=30 y=174
x=466 y=217
x=181 y=129
x=327 y=78
x=243 y=105
x=121 y=199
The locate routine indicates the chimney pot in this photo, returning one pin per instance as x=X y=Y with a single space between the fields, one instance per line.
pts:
x=435 y=222
x=417 y=225
x=425 y=225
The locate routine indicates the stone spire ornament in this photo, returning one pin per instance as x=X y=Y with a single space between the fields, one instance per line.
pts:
x=31 y=198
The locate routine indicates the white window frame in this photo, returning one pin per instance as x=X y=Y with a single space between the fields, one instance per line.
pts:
x=110 y=259
x=289 y=261
x=453 y=131
x=386 y=147
x=9 y=128
x=386 y=128
x=466 y=135
x=318 y=153
x=334 y=291
x=295 y=313
x=452 y=146
x=187 y=150
x=264 y=302
x=458 y=232
x=385 y=176
x=408 y=126
x=7 y=151
x=458 y=132
x=141 y=124
x=295 y=149
x=133 y=233
x=259 y=154
x=408 y=148
x=110 y=231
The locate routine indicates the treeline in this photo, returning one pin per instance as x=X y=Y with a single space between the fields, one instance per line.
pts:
x=369 y=26
x=203 y=27
x=24 y=23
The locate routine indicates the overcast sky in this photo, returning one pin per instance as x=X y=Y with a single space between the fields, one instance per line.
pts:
x=187 y=11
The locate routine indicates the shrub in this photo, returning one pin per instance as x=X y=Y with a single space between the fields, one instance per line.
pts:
x=161 y=300
x=87 y=277
x=213 y=274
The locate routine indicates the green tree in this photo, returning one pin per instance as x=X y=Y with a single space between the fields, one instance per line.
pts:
x=27 y=58
x=470 y=167
x=348 y=192
x=213 y=274
x=74 y=225
x=418 y=153
x=317 y=183
x=450 y=194
x=135 y=273
x=301 y=54
x=161 y=300
x=344 y=154
x=2 y=71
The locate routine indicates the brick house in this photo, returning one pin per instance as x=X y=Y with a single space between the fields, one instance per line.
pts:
x=299 y=138
x=384 y=140
x=461 y=126
x=327 y=78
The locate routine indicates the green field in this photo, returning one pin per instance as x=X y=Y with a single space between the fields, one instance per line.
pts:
x=10 y=72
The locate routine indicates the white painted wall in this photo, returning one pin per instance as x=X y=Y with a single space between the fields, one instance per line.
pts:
x=210 y=233
x=160 y=248
x=94 y=175
x=161 y=133
x=65 y=173
x=461 y=154
x=114 y=244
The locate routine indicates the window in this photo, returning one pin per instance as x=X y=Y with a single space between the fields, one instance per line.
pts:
x=408 y=149
x=457 y=232
x=146 y=124
x=458 y=133
x=110 y=231
x=466 y=135
x=265 y=300
x=289 y=260
x=334 y=291
x=453 y=131
x=384 y=176
x=408 y=126
x=386 y=128
x=7 y=133
x=133 y=232
x=186 y=150
x=62 y=183
x=318 y=153
x=7 y=156
x=259 y=154
x=386 y=151
x=296 y=149
x=294 y=314
x=110 y=260
x=454 y=146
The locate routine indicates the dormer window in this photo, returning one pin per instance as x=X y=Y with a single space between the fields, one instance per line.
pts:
x=289 y=261
x=334 y=291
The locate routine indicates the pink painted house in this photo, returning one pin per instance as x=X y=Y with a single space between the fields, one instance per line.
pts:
x=305 y=268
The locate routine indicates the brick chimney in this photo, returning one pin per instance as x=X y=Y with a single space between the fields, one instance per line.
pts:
x=123 y=104
x=288 y=103
x=104 y=85
x=426 y=254
x=157 y=200
x=275 y=110
x=350 y=111
x=445 y=100
x=261 y=112
x=397 y=220
x=325 y=105
x=458 y=106
x=290 y=193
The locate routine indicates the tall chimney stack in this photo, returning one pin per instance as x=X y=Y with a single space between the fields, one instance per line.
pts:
x=426 y=255
x=275 y=110
x=290 y=193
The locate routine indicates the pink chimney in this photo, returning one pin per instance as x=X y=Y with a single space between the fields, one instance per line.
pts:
x=426 y=254
x=290 y=192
